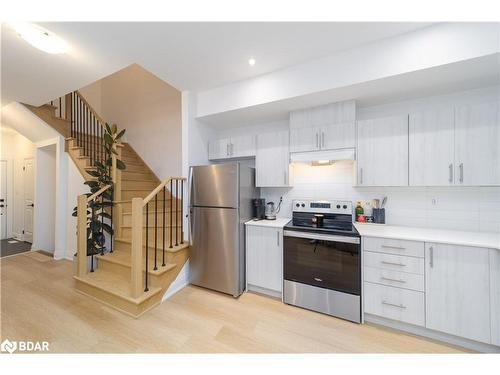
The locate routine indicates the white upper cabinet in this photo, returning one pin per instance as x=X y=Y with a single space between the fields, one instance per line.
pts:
x=495 y=296
x=383 y=151
x=457 y=285
x=234 y=147
x=219 y=149
x=323 y=128
x=272 y=159
x=477 y=140
x=431 y=147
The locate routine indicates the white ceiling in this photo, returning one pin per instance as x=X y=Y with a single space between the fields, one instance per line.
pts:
x=444 y=79
x=189 y=56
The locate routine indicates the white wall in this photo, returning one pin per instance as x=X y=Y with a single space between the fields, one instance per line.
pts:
x=45 y=198
x=433 y=46
x=460 y=208
x=149 y=109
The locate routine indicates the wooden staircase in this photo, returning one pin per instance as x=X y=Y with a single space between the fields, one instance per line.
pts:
x=148 y=250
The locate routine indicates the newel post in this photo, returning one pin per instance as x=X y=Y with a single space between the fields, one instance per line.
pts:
x=116 y=176
x=81 y=233
x=136 y=248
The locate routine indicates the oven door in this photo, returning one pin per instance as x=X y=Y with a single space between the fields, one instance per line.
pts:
x=326 y=261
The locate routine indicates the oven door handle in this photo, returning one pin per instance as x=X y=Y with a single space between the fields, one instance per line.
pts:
x=324 y=237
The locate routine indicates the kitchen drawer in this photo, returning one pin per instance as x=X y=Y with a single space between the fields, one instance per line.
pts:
x=394 y=278
x=391 y=246
x=395 y=303
x=394 y=262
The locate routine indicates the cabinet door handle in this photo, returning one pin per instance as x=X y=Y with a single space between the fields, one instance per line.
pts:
x=232 y=149
x=393 y=304
x=431 y=256
x=278 y=238
x=393 y=247
x=450 y=173
x=317 y=140
x=389 y=279
x=227 y=149
x=284 y=177
x=361 y=176
x=461 y=168
x=393 y=264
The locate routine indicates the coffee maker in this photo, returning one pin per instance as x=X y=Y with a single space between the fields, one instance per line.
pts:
x=259 y=208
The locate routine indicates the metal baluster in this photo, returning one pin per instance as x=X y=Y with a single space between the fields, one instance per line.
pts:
x=182 y=211
x=86 y=149
x=171 y=208
x=176 y=211
x=92 y=238
x=163 y=229
x=147 y=243
x=94 y=137
x=111 y=220
x=156 y=229
x=78 y=120
x=72 y=117
x=60 y=107
x=102 y=221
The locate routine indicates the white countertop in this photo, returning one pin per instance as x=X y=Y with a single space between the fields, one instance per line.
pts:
x=280 y=222
x=455 y=237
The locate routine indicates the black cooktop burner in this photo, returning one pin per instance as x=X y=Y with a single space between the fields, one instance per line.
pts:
x=337 y=230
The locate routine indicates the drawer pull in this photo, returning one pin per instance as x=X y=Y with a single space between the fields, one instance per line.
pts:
x=393 y=264
x=393 y=247
x=389 y=279
x=394 y=305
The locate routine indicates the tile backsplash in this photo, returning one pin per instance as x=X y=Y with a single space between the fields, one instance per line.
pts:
x=457 y=208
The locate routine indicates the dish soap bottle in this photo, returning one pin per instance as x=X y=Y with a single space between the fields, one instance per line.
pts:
x=359 y=211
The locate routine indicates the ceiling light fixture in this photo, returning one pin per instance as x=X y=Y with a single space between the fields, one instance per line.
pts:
x=251 y=61
x=41 y=38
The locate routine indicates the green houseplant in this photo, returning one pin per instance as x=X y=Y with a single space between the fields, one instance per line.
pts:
x=99 y=208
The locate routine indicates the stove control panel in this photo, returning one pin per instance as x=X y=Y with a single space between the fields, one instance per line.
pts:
x=327 y=207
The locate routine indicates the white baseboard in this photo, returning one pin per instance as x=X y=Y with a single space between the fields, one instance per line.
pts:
x=435 y=335
x=180 y=282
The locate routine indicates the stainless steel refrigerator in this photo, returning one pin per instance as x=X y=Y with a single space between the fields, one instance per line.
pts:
x=220 y=203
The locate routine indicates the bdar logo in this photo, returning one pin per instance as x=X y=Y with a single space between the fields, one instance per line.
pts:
x=8 y=346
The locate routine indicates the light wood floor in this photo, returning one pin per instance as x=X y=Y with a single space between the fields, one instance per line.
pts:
x=40 y=303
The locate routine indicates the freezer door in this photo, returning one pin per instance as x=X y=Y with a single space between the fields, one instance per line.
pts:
x=215 y=254
x=215 y=185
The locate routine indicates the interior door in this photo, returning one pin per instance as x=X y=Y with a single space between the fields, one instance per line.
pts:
x=476 y=144
x=457 y=286
x=3 y=199
x=29 y=199
x=431 y=147
x=383 y=151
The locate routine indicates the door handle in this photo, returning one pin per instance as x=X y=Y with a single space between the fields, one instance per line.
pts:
x=393 y=264
x=284 y=177
x=461 y=168
x=227 y=149
x=389 y=279
x=393 y=304
x=31 y=205
x=431 y=256
x=450 y=173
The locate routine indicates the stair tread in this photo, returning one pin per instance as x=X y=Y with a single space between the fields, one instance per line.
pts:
x=160 y=210
x=116 y=285
x=174 y=249
x=123 y=258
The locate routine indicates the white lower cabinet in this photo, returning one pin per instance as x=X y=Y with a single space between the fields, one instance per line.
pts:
x=457 y=283
x=264 y=259
x=395 y=303
x=495 y=296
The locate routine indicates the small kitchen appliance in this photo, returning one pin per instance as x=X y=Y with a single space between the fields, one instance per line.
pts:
x=271 y=211
x=322 y=264
x=259 y=209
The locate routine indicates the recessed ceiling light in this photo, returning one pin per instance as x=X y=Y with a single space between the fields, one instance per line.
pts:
x=251 y=61
x=41 y=38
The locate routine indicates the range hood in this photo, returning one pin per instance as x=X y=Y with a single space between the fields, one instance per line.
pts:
x=323 y=157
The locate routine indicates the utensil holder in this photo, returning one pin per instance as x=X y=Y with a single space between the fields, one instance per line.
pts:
x=379 y=215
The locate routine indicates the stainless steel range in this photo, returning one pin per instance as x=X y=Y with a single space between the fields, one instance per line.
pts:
x=322 y=259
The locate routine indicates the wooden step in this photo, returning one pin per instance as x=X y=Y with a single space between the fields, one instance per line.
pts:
x=114 y=290
x=138 y=176
x=123 y=244
x=127 y=216
x=126 y=205
x=127 y=233
x=128 y=194
x=119 y=262
x=139 y=185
